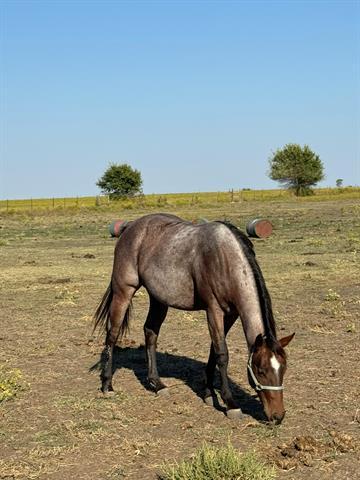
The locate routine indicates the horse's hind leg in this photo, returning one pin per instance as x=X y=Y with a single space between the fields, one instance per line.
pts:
x=229 y=321
x=217 y=331
x=154 y=320
x=118 y=310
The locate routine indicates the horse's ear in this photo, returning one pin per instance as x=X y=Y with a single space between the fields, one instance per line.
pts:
x=259 y=341
x=286 y=340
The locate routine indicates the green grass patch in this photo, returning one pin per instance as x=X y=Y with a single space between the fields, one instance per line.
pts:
x=221 y=463
x=10 y=383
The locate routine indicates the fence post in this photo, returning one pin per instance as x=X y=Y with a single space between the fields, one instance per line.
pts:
x=7 y=206
x=31 y=204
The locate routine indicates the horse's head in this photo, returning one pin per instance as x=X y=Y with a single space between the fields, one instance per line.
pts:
x=266 y=369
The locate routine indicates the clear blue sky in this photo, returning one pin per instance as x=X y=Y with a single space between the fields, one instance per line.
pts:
x=194 y=94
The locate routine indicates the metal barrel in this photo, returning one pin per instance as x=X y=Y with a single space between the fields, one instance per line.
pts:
x=115 y=227
x=259 y=228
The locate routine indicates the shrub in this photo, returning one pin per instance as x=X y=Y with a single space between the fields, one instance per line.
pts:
x=220 y=463
x=9 y=383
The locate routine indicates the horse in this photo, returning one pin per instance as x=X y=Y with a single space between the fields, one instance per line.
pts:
x=211 y=267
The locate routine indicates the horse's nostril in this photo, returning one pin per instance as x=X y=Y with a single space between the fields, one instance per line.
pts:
x=277 y=418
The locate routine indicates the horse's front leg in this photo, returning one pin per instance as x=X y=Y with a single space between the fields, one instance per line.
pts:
x=229 y=320
x=215 y=318
x=154 y=320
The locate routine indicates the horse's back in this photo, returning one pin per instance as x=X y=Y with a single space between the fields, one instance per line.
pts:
x=178 y=262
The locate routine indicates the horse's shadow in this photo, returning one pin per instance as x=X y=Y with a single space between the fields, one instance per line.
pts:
x=189 y=371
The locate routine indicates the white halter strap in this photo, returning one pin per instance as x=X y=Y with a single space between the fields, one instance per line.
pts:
x=258 y=387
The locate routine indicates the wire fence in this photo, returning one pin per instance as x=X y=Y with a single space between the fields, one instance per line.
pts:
x=52 y=203
x=156 y=200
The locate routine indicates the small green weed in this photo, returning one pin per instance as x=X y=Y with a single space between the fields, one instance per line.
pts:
x=10 y=383
x=333 y=306
x=331 y=296
x=351 y=327
x=224 y=463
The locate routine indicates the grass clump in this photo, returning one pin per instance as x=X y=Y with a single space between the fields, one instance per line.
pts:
x=220 y=463
x=331 y=296
x=10 y=383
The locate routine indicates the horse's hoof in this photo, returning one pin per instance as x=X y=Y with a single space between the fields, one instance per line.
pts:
x=163 y=392
x=209 y=401
x=109 y=394
x=234 y=413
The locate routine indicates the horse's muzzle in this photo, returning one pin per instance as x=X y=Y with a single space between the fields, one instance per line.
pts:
x=277 y=418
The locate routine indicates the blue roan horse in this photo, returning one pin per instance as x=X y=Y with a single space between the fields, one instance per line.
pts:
x=209 y=267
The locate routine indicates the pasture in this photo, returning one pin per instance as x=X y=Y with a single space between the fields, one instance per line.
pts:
x=56 y=264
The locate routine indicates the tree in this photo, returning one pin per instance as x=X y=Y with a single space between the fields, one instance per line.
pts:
x=296 y=167
x=120 y=181
x=339 y=182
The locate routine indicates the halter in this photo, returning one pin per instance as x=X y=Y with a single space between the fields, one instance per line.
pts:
x=258 y=387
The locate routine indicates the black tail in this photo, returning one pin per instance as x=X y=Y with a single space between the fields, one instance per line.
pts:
x=102 y=314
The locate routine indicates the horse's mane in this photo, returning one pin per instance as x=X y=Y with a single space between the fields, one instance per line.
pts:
x=264 y=296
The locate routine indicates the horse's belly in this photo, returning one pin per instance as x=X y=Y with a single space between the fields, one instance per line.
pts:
x=175 y=289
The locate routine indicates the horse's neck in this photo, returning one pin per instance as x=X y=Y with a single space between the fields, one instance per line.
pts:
x=249 y=310
x=253 y=326
x=248 y=301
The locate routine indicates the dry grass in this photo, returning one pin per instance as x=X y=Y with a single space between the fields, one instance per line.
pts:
x=39 y=462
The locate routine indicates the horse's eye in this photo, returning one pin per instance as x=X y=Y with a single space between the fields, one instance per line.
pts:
x=261 y=371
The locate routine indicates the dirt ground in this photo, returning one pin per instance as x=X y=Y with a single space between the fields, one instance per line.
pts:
x=54 y=270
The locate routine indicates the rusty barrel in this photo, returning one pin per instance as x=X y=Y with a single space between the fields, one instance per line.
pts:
x=115 y=227
x=259 y=228
x=199 y=221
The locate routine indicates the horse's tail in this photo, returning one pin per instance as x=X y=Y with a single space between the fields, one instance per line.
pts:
x=102 y=314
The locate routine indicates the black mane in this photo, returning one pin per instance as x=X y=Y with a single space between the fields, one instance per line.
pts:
x=264 y=296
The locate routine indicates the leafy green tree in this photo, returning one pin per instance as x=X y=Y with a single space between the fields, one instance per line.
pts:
x=339 y=182
x=120 y=181
x=297 y=168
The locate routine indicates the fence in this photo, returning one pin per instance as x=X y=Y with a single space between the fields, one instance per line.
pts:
x=155 y=200
x=52 y=203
